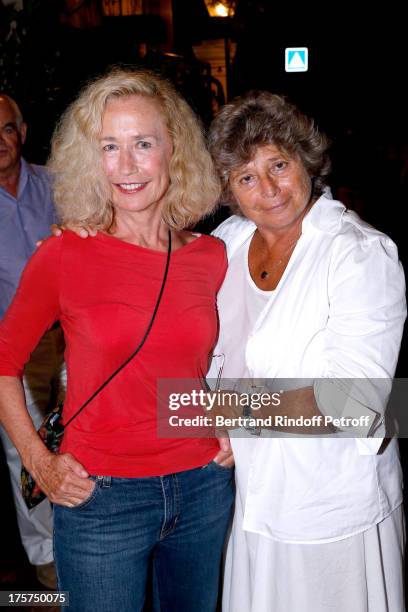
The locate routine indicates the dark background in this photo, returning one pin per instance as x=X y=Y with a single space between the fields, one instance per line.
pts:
x=355 y=89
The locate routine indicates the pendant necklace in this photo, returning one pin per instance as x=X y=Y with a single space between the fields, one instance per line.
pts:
x=266 y=273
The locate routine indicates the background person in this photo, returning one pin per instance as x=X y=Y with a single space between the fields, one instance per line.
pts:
x=130 y=161
x=316 y=294
x=27 y=209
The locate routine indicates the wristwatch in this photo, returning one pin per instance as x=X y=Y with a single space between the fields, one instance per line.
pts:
x=247 y=417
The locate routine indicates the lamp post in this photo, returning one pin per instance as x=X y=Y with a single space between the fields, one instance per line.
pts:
x=221 y=11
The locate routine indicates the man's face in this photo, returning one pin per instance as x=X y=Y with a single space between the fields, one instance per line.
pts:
x=11 y=139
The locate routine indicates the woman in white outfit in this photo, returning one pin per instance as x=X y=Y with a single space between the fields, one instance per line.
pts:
x=312 y=292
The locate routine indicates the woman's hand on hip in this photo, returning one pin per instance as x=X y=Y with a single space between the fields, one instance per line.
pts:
x=225 y=456
x=63 y=479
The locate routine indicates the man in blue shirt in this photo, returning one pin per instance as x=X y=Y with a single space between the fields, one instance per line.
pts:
x=26 y=213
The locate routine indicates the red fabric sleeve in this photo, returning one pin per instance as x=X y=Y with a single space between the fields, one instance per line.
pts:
x=34 y=309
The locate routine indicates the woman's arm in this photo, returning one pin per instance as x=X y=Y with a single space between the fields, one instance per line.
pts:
x=293 y=404
x=61 y=477
x=33 y=310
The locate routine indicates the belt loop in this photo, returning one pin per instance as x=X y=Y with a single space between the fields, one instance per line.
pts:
x=106 y=481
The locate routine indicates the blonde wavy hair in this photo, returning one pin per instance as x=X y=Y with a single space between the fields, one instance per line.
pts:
x=82 y=193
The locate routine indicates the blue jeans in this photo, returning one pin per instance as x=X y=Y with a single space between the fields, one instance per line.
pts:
x=103 y=547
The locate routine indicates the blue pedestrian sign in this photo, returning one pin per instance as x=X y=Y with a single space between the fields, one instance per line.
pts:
x=296 y=59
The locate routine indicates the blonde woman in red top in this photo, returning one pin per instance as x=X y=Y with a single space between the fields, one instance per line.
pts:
x=129 y=160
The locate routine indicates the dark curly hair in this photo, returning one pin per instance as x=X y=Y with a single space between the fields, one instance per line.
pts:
x=260 y=118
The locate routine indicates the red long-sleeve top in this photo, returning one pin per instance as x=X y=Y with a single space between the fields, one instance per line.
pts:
x=103 y=291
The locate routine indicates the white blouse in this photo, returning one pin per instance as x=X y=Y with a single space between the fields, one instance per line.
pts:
x=245 y=311
x=337 y=313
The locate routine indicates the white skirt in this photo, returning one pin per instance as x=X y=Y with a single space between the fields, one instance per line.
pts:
x=362 y=573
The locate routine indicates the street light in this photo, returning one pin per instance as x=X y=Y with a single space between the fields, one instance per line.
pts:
x=225 y=8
